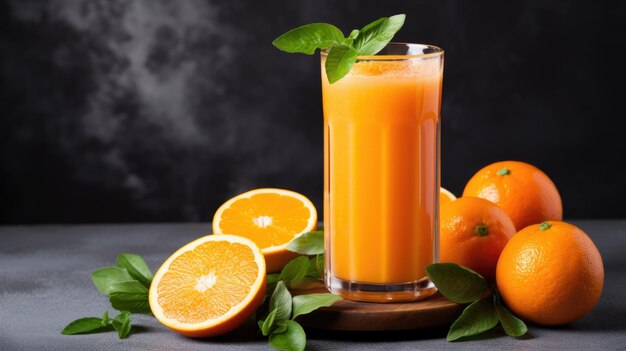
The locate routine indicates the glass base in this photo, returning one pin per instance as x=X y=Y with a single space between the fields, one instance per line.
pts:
x=370 y=292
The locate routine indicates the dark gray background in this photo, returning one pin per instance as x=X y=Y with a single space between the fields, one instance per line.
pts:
x=117 y=111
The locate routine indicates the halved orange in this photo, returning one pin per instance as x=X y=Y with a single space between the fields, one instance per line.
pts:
x=445 y=196
x=210 y=286
x=269 y=217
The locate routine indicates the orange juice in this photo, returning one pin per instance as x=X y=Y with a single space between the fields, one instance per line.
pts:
x=381 y=183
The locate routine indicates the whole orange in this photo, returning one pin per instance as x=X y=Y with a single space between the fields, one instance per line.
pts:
x=550 y=273
x=473 y=232
x=522 y=190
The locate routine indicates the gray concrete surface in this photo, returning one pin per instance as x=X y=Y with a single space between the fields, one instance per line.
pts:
x=45 y=284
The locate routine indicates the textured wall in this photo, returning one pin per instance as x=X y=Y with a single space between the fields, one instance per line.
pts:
x=161 y=110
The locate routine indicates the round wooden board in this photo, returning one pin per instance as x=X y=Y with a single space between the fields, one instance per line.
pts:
x=434 y=311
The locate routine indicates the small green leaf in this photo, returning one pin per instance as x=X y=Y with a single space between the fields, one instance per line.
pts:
x=136 y=267
x=316 y=267
x=296 y=269
x=272 y=278
x=354 y=34
x=268 y=323
x=339 y=61
x=134 y=304
x=457 y=283
x=512 y=325
x=303 y=304
x=281 y=301
x=475 y=319
x=375 y=36
x=130 y=296
x=292 y=339
x=105 y=319
x=122 y=316
x=84 y=326
x=121 y=323
x=319 y=264
x=128 y=287
x=104 y=277
x=311 y=243
x=279 y=328
x=306 y=39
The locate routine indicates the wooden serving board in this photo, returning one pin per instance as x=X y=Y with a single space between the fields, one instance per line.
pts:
x=434 y=311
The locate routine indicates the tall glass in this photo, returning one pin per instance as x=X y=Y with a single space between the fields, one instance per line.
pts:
x=381 y=174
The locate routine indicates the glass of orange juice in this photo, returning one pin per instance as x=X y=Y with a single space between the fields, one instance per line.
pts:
x=381 y=174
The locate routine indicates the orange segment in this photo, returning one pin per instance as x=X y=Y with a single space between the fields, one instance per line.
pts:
x=445 y=196
x=209 y=286
x=269 y=217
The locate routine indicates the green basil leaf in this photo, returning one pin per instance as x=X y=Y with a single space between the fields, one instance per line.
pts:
x=268 y=323
x=136 y=267
x=303 y=304
x=339 y=61
x=84 y=326
x=128 y=287
x=458 y=284
x=296 y=269
x=375 y=36
x=512 y=325
x=105 y=319
x=104 y=277
x=272 y=278
x=122 y=316
x=306 y=39
x=121 y=323
x=130 y=296
x=280 y=328
x=134 y=304
x=281 y=302
x=316 y=267
x=311 y=243
x=475 y=319
x=319 y=264
x=353 y=35
x=292 y=338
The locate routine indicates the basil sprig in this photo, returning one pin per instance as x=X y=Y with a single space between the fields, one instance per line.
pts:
x=89 y=325
x=342 y=51
x=284 y=332
x=280 y=313
x=127 y=286
x=463 y=285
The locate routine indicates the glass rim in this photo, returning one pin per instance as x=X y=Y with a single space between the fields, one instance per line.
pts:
x=398 y=57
